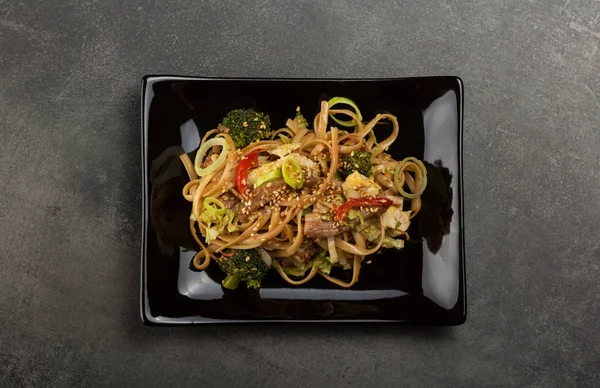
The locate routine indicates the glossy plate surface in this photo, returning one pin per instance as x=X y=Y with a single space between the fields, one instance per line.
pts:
x=424 y=284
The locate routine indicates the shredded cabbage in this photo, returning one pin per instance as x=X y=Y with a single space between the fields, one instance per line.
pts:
x=285 y=149
x=395 y=218
x=389 y=242
x=217 y=218
x=299 y=270
x=332 y=249
x=353 y=214
x=323 y=263
x=371 y=232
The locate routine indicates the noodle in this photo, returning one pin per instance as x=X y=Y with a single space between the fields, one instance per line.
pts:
x=285 y=277
x=280 y=225
x=189 y=166
x=289 y=251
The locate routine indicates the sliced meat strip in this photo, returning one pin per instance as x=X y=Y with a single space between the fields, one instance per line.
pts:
x=315 y=226
x=265 y=193
x=305 y=252
x=229 y=200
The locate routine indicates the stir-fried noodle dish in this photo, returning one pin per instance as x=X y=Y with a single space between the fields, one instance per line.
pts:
x=300 y=199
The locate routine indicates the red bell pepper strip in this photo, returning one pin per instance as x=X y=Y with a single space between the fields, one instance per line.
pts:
x=241 y=173
x=361 y=202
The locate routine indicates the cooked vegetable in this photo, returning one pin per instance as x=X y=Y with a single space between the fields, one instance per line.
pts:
x=389 y=242
x=292 y=173
x=214 y=206
x=264 y=255
x=347 y=101
x=216 y=218
x=357 y=161
x=247 y=125
x=332 y=250
x=323 y=262
x=371 y=232
x=416 y=166
x=268 y=177
x=265 y=169
x=299 y=269
x=245 y=265
x=285 y=149
x=300 y=119
x=341 y=211
x=357 y=185
x=243 y=168
x=217 y=141
x=395 y=218
x=355 y=214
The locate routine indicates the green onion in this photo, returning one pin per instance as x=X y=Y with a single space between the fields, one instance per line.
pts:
x=292 y=173
x=268 y=177
x=347 y=101
x=423 y=176
x=217 y=210
x=217 y=141
x=353 y=214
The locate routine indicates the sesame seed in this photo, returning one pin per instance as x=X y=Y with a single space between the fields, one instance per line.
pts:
x=369 y=262
x=247 y=259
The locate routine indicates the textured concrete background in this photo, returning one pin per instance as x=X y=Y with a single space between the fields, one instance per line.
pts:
x=70 y=189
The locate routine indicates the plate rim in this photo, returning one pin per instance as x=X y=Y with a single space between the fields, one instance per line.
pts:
x=149 y=79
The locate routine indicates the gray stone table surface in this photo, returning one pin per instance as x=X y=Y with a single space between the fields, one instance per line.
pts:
x=70 y=189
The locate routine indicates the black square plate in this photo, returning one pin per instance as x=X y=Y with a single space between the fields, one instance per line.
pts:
x=423 y=284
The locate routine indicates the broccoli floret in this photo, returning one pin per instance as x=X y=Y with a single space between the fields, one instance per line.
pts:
x=245 y=265
x=301 y=120
x=357 y=161
x=247 y=125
